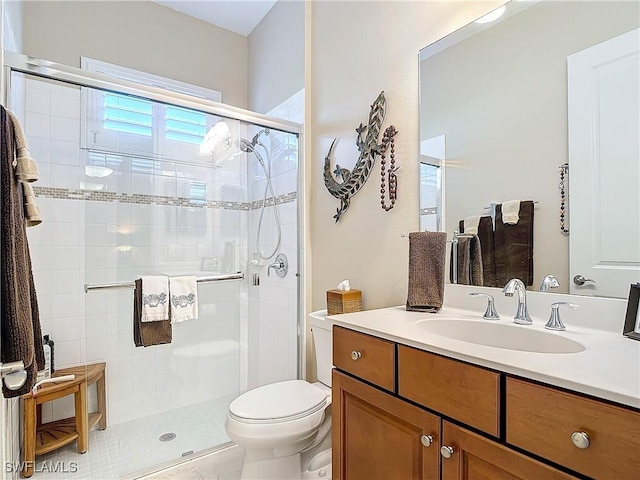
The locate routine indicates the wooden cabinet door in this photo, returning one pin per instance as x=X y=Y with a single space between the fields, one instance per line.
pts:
x=378 y=436
x=478 y=458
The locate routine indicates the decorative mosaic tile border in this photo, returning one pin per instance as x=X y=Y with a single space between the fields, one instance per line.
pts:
x=138 y=199
x=429 y=211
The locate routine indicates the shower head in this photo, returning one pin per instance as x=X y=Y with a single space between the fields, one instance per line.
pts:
x=250 y=147
x=245 y=145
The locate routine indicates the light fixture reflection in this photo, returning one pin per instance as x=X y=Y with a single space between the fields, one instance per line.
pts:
x=491 y=16
x=91 y=186
x=97 y=171
x=217 y=139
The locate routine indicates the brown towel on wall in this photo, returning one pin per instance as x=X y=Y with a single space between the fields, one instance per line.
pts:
x=469 y=262
x=427 y=252
x=146 y=334
x=20 y=331
x=485 y=235
x=514 y=246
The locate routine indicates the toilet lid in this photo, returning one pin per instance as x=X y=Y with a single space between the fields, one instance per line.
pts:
x=278 y=401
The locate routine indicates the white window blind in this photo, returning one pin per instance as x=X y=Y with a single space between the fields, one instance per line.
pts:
x=121 y=123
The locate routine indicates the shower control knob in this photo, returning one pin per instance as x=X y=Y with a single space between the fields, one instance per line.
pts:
x=355 y=355
x=580 y=280
x=446 y=451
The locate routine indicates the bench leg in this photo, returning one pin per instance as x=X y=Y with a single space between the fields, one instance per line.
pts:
x=102 y=400
x=29 y=440
x=82 y=417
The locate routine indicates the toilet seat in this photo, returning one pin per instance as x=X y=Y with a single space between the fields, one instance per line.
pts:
x=278 y=402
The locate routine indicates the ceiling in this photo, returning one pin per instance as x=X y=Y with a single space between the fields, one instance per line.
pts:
x=240 y=16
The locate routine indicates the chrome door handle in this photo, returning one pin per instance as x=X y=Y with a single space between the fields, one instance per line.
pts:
x=580 y=280
x=355 y=355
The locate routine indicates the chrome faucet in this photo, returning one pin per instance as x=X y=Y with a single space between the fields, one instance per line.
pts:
x=522 y=315
x=549 y=281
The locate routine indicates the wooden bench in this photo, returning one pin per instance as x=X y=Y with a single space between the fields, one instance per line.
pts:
x=40 y=438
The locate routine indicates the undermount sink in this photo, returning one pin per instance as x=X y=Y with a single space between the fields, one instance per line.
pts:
x=500 y=335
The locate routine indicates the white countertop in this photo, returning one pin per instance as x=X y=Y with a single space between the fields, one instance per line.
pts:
x=608 y=368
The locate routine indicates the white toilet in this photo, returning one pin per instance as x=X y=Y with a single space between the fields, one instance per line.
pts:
x=283 y=426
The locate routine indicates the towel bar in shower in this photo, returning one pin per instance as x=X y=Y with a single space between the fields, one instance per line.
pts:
x=209 y=278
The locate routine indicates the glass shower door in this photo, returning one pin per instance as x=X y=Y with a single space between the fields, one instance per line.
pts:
x=171 y=211
x=131 y=187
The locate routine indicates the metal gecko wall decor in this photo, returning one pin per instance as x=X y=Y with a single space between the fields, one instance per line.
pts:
x=369 y=148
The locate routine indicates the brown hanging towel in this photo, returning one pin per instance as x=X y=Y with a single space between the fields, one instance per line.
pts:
x=514 y=246
x=485 y=235
x=469 y=262
x=147 y=334
x=427 y=252
x=20 y=331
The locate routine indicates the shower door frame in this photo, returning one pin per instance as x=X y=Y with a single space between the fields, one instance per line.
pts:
x=16 y=62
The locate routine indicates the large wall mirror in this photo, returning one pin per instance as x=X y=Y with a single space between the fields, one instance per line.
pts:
x=504 y=104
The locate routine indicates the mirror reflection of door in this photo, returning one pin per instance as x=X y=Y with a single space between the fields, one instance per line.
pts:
x=604 y=163
x=432 y=156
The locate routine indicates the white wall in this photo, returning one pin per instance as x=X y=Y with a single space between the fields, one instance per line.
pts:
x=357 y=50
x=141 y=35
x=276 y=56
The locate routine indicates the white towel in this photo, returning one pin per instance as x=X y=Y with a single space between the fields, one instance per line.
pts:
x=471 y=224
x=155 y=298
x=511 y=212
x=184 y=298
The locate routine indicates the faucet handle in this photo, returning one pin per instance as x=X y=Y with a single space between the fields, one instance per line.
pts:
x=490 y=313
x=549 y=281
x=554 y=322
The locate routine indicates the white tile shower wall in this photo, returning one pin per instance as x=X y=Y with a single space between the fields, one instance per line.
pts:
x=95 y=242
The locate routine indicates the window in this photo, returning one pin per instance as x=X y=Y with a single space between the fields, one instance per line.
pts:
x=127 y=114
x=119 y=123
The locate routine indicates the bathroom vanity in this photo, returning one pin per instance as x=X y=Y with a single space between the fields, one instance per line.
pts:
x=411 y=403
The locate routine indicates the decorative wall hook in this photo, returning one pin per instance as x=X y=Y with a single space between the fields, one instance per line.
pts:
x=367 y=143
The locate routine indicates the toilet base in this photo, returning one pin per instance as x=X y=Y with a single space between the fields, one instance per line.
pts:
x=319 y=468
x=262 y=464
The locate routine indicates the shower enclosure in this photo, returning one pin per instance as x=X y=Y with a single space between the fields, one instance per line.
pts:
x=138 y=181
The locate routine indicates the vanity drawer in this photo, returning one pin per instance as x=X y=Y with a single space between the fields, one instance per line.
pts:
x=463 y=392
x=370 y=358
x=542 y=420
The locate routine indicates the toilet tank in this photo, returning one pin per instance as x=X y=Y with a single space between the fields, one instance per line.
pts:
x=322 y=341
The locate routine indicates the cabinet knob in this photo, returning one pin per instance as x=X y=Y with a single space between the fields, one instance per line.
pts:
x=446 y=451
x=355 y=355
x=426 y=440
x=580 y=439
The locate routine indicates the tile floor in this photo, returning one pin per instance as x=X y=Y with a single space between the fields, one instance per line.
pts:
x=125 y=448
